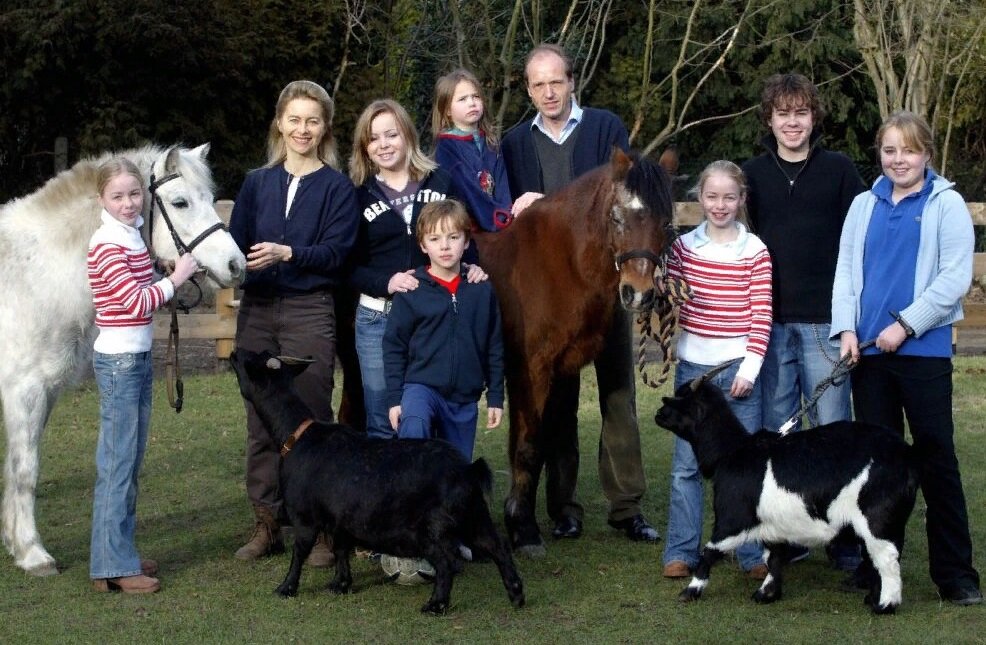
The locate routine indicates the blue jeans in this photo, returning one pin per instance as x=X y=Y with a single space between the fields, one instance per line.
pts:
x=124 y=382
x=370 y=328
x=426 y=415
x=685 y=511
x=800 y=356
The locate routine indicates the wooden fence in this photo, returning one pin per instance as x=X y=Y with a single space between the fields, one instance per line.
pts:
x=221 y=323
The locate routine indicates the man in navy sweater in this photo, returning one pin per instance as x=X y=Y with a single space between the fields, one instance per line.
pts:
x=543 y=154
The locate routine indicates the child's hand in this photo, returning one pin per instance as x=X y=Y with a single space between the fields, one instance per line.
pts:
x=395 y=417
x=493 y=417
x=741 y=388
x=185 y=267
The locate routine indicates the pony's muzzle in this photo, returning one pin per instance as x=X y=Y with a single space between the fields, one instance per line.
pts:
x=636 y=300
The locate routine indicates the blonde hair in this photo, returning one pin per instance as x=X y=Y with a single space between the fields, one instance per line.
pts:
x=731 y=170
x=914 y=130
x=276 y=149
x=113 y=167
x=447 y=215
x=445 y=91
x=360 y=165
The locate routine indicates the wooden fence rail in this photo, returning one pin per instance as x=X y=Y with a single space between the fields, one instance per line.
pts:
x=221 y=324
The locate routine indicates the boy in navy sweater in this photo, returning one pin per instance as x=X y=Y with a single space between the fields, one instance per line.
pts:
x=443 y=343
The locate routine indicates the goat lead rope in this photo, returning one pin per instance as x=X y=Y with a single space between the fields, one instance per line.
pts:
x=667 y=309
x=172 y=368
x=838 y=376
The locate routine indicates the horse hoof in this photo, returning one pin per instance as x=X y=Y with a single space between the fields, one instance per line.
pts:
x=532 y=551
x=689 y=594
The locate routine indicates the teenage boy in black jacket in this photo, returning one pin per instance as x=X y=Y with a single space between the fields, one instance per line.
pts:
x=799 y=194
x=443 y=343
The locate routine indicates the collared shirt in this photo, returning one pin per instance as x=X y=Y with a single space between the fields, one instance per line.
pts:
x=574 y=118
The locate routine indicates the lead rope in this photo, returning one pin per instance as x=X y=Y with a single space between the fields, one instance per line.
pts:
x=172 y=367
x=676 y=293
x=838 y=376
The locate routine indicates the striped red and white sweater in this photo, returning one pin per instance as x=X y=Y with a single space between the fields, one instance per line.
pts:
x=729 y=314
x=121 y=277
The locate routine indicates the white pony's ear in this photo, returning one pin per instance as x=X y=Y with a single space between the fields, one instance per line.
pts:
x=202 y=151
x=171 y=160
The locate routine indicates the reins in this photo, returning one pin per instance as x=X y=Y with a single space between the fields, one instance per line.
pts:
x=838 y=376
x=676 y=293
x=172 y=366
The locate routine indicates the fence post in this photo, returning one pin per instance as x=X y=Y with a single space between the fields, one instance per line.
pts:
x=225 y=311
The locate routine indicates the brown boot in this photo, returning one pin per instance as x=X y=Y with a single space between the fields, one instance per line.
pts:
x=321 y=555
x=266 y=538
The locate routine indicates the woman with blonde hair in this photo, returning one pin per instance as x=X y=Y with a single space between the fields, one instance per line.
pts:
x=395 y=179
x=295 y=219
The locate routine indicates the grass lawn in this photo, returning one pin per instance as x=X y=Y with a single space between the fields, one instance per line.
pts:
x=601 y=588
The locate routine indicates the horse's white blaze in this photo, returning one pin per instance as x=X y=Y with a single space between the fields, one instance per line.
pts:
x=635 y=203
x=47 y=319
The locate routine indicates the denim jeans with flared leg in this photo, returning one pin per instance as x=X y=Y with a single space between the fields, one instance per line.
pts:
x=124 y=382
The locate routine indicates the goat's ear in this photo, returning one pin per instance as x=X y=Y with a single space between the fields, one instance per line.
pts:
x=673 y=401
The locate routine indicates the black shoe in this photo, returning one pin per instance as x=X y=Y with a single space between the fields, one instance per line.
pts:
x=567 y=527
x=967 y=594
x=636 y=528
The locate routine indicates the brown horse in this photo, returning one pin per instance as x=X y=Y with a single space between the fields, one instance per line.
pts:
x=557 y=271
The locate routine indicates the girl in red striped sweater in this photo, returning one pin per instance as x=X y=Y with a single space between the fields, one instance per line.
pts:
x=728 y=317
x=125 y=297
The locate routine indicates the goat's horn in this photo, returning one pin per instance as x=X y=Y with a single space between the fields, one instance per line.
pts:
x=695 y=383
x=294 y=360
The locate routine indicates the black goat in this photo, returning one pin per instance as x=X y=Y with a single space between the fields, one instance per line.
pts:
x=403 y=497
x=803 y=488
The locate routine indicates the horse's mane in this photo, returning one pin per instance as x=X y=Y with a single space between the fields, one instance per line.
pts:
x=653 y=185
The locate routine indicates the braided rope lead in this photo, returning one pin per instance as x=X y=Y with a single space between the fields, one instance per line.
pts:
x=838 y=376
x=676 y=293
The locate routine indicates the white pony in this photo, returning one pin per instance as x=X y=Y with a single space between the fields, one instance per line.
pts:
x=47 y=320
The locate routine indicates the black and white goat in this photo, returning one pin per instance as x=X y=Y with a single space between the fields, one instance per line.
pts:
x=409 y=498
x=803 y=488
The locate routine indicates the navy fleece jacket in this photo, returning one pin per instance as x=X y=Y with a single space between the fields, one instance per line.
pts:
x=451 y=343
x=320 y=228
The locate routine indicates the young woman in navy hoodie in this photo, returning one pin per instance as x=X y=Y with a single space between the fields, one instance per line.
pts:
x=395 y=179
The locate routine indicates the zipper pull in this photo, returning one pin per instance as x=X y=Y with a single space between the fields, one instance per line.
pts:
x=455 y=304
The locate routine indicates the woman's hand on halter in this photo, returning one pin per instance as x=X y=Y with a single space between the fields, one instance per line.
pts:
x=524 y=201
x=402 y=282
x=185 y=268
x=266 y=254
